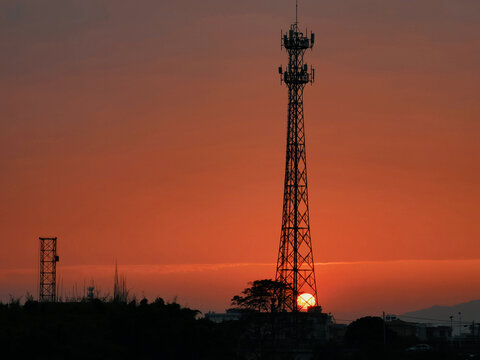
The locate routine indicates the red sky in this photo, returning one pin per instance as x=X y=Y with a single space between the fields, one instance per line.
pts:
x=154 y=133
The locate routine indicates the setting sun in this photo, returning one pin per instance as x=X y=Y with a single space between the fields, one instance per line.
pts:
x=305 y=300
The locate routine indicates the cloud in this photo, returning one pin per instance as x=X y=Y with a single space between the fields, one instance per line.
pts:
x=164 y=269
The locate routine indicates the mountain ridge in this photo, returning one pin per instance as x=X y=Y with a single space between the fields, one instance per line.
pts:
x=465 y=312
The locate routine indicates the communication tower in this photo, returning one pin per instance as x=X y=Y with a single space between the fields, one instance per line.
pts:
x=48 y=269
x=295 y=266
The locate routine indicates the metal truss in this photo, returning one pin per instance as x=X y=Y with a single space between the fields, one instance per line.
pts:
x=48 y=269
x=295 y=266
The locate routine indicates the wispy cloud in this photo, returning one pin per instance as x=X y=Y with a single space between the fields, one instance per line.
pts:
x=397 y=261
x=162 y=269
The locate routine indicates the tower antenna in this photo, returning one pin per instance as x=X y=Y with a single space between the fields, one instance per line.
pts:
x=296 y=12
x=295 y=265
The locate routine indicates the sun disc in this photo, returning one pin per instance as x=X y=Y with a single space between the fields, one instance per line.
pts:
x=305 y=300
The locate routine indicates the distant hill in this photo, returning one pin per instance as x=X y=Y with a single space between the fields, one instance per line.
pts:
x=470 y=312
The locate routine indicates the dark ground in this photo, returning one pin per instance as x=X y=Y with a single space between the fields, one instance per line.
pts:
x=141 y=330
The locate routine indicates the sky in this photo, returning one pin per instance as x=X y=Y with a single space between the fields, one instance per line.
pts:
x=153 y=133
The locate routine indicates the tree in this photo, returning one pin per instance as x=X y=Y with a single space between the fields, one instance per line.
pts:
x=261 y=296
x=368 y=333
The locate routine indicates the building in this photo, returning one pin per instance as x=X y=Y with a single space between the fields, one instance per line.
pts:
x=230 y=315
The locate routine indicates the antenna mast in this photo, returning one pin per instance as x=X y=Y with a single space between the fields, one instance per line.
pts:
x=295 y=266
x=296 y=12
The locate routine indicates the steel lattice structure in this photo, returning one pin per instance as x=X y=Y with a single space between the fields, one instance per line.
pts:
x=48 y=269
x=295 y=266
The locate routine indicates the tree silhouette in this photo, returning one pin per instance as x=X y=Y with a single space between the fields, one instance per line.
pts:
x=261 y=296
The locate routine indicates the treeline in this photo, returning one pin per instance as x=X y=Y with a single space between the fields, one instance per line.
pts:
x=99 y=329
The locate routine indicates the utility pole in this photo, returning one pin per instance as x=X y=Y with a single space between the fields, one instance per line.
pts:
x=460 y=328
x=460 y=323
x=384 y=332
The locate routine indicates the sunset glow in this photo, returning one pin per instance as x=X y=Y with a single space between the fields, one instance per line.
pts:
x=155 y=135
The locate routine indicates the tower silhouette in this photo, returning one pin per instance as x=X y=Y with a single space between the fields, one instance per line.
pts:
x=48 y=269
x=295 y=266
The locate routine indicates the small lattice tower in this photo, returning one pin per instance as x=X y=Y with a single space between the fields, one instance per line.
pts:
x=48 y=269
x=295 y=266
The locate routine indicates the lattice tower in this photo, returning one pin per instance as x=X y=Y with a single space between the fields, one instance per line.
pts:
x=295 y=266
x=48 y=269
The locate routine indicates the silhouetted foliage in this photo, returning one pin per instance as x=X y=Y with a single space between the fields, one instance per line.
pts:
x=141 y=330
x=368 y=332
x=105 y=330
x=260 y=296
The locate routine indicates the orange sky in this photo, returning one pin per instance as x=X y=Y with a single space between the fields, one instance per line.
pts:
x=154 y=133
